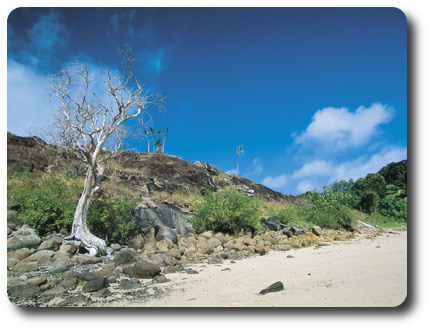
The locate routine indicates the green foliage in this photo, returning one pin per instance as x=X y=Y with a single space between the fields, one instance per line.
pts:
x=110 y=218
x=330 y=209
x=227 y=211
x=49 y=204
x=396 y=174
x=394 y=208
x=369 y=201
x=46 y=204
x=372 y=182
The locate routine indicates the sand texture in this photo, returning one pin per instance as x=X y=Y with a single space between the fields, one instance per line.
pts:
x=357 y=273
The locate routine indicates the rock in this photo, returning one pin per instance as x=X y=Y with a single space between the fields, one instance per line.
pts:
x=159 y=279
x=137 y=242
x=23 y=291
x=54 y=291
x=96 y=285
x=207 y=234
x=112 y=279
x=85 y=259
x=260 y=249
x=175 y=253
x=169 y=269
x=126 y=284
x=225 y=269
x=115 y=247
x=190 y=271
x=30 y=241
x=68 y=248
x=278 y=286
x=286 y=232
x=37 y=280
x=14 y=223
x=14 y=244
x=19 y=254
x=47 y=245
x=163 y=215
x=102 y=293
x=317 y=230
x=164 y=245
x=205 y=248
x=232 y=255
x=290 y=256
x=142 y=269
x=24 y=267
x=272 y=223
x=59 y=266
x=223 y=239
x=125 y=257
x=166 y=232
x=15 y=281
x=69 y=283
x=86 y=276
x=297 y=230
x=73 y=301
x=215 y=261
x=214 y=242
x=41 y=257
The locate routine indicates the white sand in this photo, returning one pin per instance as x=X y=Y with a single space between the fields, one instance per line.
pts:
x=355 y=273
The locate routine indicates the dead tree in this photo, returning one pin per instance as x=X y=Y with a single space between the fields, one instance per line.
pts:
x=91 y=125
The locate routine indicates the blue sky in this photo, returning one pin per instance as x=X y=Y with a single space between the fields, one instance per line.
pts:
x=314 y=95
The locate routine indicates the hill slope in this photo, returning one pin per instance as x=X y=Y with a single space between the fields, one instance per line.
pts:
x=143 y=174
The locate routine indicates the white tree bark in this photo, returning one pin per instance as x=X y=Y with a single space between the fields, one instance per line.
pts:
x=85 y=122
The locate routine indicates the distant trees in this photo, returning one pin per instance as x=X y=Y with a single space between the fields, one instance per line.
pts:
x=87 y=122
x=158 y=140
x=383 y=192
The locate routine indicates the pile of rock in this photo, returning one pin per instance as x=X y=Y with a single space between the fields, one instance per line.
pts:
x=43 y=272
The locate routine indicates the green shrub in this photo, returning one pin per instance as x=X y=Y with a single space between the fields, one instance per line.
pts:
x=49 y=204
x=110 y=218
x=227 y=211
x=46 y=204
x=330 y=209
x=394 y=208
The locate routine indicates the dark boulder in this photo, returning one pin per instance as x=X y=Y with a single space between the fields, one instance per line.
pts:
x=125 y=257
x=96 y=285
x=278 y=286
x=23 y=291
x=272 y=223
x=297 y=230
x=161 y=216
x=166 y=232
x=285 y=231
x=142 y=269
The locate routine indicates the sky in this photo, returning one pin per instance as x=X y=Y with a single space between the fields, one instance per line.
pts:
x=314 y=95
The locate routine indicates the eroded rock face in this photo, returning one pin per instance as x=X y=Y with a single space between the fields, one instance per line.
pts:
x=162 y=217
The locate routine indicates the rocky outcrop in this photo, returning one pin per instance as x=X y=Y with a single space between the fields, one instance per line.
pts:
x=144 y=174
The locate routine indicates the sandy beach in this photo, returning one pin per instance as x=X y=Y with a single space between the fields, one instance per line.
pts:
x=357 y=273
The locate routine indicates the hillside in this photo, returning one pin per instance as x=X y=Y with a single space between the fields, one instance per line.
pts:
x=143 y=174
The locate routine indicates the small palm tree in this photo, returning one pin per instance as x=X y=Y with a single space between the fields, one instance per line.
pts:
x=239 y=151
x=396 y=192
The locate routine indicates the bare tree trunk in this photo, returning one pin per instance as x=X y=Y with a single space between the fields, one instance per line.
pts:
x=80 y=232
x=237 y=169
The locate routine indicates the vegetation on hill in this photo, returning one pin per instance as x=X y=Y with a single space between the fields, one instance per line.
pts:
x=46 y=200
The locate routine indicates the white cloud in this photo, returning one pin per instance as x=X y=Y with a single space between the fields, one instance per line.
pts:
x=304 y=186
x=314 y=168
x=255 y=168
x=339 y=128
x=230 y=172
x=360 y=167
x=27 y=98
x=276 y=182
